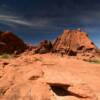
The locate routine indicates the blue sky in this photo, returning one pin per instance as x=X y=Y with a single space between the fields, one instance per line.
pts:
x=35 y=20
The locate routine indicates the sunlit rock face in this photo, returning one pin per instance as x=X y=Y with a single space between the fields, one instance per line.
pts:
x=74 y=41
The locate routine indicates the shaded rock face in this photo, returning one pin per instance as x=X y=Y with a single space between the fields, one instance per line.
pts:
x=72 y=42
x=44 y=47
x=10 y=43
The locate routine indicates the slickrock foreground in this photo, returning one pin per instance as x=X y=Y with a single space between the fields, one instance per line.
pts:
x=48 y=77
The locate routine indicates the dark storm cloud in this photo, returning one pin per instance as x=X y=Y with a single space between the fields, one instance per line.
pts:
x=50 y=8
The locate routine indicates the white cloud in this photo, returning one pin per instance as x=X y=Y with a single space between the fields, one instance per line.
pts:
x=14 y=20
x=33 y=23
x=6 y=17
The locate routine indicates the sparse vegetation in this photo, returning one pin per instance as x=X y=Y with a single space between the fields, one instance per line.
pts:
x=5 y=56
x=97 y=61
x=38 y=59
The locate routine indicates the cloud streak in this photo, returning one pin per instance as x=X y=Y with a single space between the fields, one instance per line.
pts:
x=37 y=24
x=13 y=20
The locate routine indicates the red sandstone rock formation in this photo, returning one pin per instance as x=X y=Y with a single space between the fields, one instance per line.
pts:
x=44 y=47
x=74 y=41
x=10 y=43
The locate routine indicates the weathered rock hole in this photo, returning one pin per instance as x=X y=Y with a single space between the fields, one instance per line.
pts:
x=2 y=91
x=34 y=77
x=60 y=91
x=80 y=47
x=72 y=53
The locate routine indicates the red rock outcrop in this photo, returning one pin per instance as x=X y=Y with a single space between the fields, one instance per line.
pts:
x=44 y=47
x=10 y=43
x=72 y=42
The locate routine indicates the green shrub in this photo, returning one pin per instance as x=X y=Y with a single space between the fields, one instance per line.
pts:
x=5 y=56
x=97 y=61
x=38 y=59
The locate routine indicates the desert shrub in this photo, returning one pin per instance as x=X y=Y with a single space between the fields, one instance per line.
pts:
x=5 y=55
x=97 y=61
x=38 y=59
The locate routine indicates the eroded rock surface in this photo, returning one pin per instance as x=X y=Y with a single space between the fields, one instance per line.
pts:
x=48 y=77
